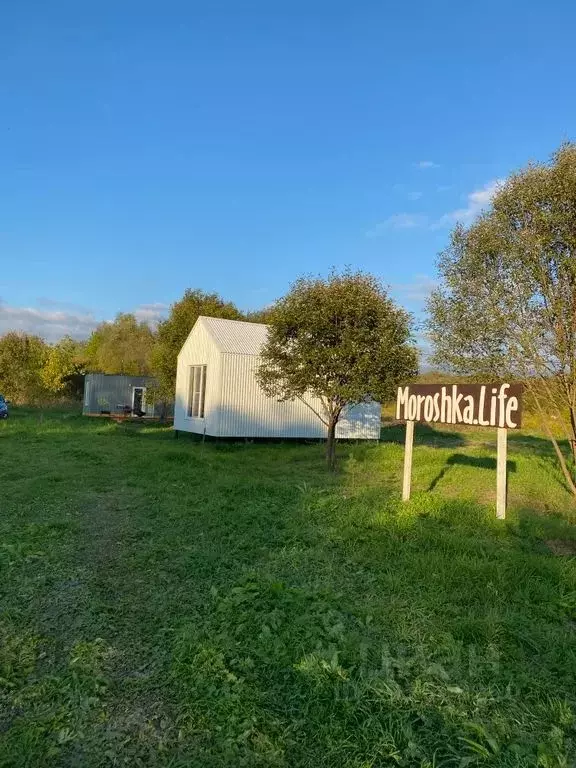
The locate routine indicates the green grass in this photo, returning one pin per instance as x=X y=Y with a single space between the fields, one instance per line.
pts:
x=171 y=603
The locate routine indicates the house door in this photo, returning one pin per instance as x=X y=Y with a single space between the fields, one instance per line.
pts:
x=138 y=400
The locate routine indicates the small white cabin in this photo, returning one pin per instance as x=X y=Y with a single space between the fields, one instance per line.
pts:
x=217 y=392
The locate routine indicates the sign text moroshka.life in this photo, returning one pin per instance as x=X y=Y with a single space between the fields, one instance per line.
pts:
x=481 y=405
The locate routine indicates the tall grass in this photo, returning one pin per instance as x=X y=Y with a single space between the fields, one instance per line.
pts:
x=181 y=604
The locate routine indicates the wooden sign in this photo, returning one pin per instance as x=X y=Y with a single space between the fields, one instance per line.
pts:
x=480 y=405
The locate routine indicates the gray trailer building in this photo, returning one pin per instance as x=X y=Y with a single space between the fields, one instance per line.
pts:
x=106 y=394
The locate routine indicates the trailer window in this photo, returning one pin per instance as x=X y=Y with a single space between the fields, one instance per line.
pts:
x=196 y=391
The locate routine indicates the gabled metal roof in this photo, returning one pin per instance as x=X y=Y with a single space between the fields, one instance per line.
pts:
x=236 y=336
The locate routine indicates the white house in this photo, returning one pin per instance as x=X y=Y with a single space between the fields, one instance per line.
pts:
x=217 y=392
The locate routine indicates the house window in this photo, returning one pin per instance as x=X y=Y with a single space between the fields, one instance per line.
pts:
x=196 y=391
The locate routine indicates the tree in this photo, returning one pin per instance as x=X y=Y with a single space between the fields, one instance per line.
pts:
x=123 y=346
x=341 y=340
x=22 y=357
x=64 y=367
x=506 y=305
x=263 y=315
x=173 y=332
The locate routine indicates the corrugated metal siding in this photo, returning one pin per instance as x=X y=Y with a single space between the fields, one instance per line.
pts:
x=235 y=406
x=247 y=412
x=236 y=336
x=199 y=349
x=103 y=392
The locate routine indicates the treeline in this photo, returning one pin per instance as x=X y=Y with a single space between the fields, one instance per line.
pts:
x=33 y=371
x=504 y=307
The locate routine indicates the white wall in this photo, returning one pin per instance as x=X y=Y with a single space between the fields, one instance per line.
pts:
x=199 y=349
x=235 y=406
x=246 y=412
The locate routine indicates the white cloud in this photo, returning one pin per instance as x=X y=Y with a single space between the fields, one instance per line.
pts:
x=44 y=302
x=477 y=200
x=425 y=164
x=51 y=324
x=414 y=195
x=151 y=313
x=398 y=221
x=52 y=319
x=416 y=291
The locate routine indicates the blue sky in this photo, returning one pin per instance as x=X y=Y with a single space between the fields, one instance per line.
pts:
x=233 y=146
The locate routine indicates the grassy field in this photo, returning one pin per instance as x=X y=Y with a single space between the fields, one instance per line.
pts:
x=177 y=604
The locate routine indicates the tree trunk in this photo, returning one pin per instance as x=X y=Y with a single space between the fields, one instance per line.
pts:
x=565 y=471
x=561 y=459
x=331 y=444
x=544 y=420
x=573 y=438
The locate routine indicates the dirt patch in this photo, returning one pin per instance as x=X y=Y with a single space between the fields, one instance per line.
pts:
x=561 y=547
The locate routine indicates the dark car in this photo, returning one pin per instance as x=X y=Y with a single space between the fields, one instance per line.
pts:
x=3 y=408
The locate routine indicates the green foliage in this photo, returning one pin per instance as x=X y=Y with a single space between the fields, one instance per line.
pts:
x=259 y=315
x=507 y=302
x=64 y=366
x=123 y=346
x=173 y=603
x=340 y=339
x=32 y=371
x=22 y=358
x=173 y=332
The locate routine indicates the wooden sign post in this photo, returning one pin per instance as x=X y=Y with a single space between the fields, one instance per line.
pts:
x=408 y=460
x=501 y=473
x=481 y=405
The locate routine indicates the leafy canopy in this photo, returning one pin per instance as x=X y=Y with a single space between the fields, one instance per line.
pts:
x=506 y=305
x=340 y=339
x=173 y=332
x=63 y=370
x=22 y=357
x=123 y=346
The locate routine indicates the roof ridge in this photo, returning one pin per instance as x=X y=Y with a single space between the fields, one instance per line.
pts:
x=228 y=320
x=234 y=336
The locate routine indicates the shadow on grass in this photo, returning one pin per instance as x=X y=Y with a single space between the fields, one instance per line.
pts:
x=423 y=435
x=234 y=590
x=478 y=462
x=523 y=443
x=235 y=441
